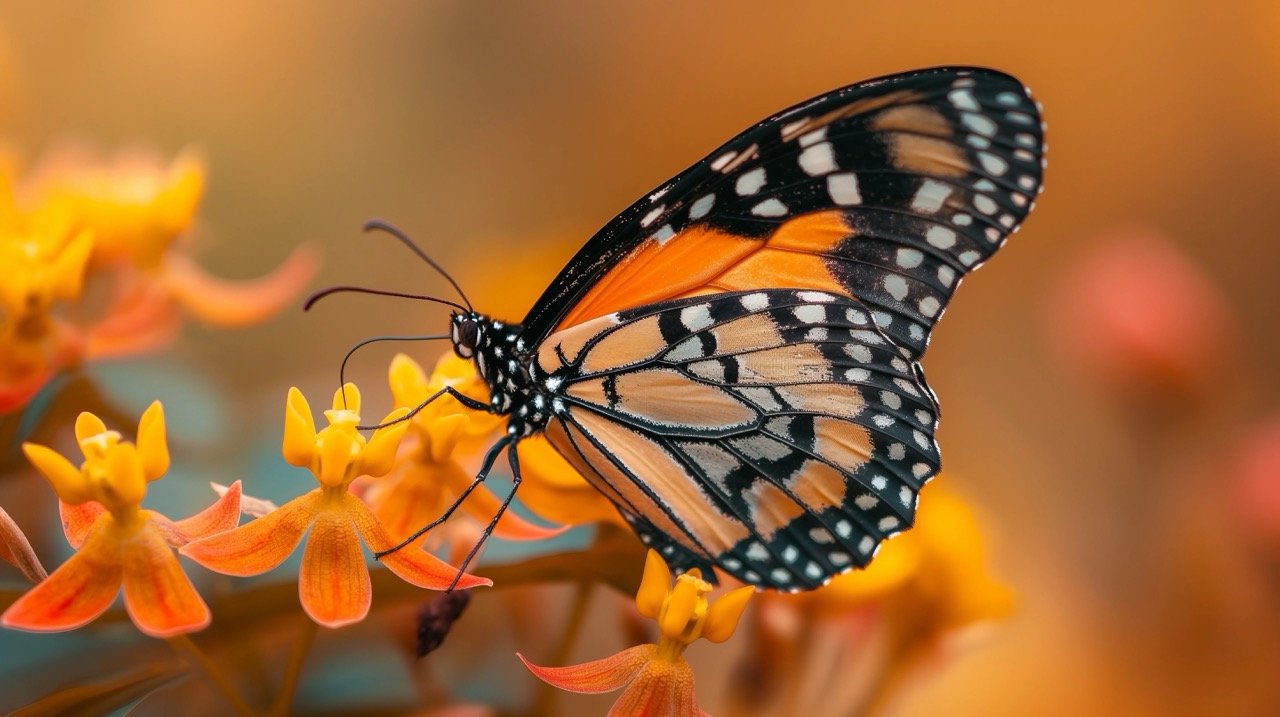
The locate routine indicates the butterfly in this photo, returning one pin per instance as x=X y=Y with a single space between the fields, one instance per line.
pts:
x=734 y=360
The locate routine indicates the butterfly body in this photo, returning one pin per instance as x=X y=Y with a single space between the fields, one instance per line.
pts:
x=734 y=360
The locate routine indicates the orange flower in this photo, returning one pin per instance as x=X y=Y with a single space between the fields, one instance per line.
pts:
x=430 y=474
x=333 y=584
x=658 y=679
x=117 y=542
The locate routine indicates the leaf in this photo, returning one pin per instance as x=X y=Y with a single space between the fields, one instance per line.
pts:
x=103 y=696
x=16 y=550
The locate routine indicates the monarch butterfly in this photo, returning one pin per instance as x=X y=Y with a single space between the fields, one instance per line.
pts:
x=734 y=359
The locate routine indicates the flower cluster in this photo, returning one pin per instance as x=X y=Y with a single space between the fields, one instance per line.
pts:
x=73 y=222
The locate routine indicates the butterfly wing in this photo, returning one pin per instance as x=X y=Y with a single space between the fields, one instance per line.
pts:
x=887 y=191
x=776 y=434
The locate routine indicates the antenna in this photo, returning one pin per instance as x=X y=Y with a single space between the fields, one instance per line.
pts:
x=381 y=225
x=378 y=292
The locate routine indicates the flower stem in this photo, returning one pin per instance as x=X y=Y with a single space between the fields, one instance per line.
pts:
x=293 y=672
x=211 y=673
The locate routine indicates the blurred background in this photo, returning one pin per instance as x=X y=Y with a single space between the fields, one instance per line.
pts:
x=1108 y=382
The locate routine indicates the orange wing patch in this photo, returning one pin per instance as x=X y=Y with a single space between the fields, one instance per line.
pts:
x=672 y=488
x=701 y=260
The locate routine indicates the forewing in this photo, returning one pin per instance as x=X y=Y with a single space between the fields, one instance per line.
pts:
x=887 y=191
x=777 y=435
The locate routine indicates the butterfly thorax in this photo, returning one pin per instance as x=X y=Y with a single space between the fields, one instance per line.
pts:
x=503 y=362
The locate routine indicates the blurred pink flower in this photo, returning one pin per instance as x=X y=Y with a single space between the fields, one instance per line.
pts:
x=1137 y=313
x=1256 y=484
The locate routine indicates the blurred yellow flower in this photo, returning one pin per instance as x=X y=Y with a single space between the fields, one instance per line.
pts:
x=333 y=584
x=75 y=219
x=659 y=681
x=117 y=542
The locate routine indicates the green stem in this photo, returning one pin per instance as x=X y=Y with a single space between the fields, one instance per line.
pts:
x=293 y=672
x=211 y=673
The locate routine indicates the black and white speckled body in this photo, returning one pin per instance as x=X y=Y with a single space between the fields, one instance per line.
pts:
x=505 y=364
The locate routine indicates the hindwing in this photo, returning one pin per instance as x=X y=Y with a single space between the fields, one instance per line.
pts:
x=776 y=434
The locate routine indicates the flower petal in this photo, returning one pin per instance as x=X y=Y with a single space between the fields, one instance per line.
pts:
x=603 y=675
x=157 y=594
x=66 y=276
x=407 y=380
x=77 y=592
x=16 y=550
x=654 y=585
x=220 y=517
x=68 y=482
x=410 y=563
x=333 y=583
x=249 y=505
x=299 y=445
x=88 y=426
x=379 y=454
x=78 y=520
x=259 y=546
x=143 y=318
x=153 y=448
x=724 y=613
x=347 y=398
x=662 y=689
x=553 y=490
x=445 y=432
x=127 y=484
x=226 y=303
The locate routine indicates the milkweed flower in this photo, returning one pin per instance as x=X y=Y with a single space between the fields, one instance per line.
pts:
x=117 y=542
x=333 y=583
x=658 y=679
x=430 y=472
x=74 y=220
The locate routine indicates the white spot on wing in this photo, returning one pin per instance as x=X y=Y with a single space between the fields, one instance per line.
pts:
x=696 y=317
x=930 y=196
x=702 y=206
x=755 y=302
x=750 y=182
x=770 y=207
x=896 y=286
x=843 y=189
x=652 y=215
x=663 y=235
x=940 y=236
x=818 y=160
x=810 y=313
x=963 y=100
x=910 y=258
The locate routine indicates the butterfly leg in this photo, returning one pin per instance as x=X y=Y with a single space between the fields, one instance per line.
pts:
x=514 y=458
x=466 y=401
x=489 y=459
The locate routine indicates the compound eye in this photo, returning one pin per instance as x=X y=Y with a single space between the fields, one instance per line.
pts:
x=469 y=334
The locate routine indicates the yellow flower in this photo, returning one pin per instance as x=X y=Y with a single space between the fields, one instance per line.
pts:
x=40 y=265
x=333 y=584
x=659 y=681
x=117 y=542
x=433 y=470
